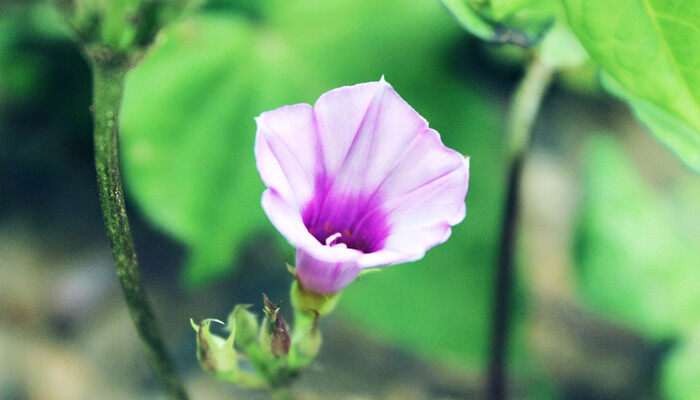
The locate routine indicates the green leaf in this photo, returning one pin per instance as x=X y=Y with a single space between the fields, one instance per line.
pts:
x=470 y=19
x=652 y=49
x=560 y=49
x=637 y=254
x=680 y=138
x=680 y=376
x=188 y=132
x=503 y=8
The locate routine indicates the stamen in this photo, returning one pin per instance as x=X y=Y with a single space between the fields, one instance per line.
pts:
x=330 y=240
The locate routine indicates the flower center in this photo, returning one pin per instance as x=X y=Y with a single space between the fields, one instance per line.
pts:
x=355 y=222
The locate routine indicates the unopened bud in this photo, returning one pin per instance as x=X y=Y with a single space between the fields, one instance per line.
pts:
x=245 y=324
x=215 y=354
x=274 y=334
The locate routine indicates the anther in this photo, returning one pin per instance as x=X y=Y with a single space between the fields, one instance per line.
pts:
x=330 y=240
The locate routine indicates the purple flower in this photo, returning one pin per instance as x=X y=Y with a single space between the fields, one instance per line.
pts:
x=357 y=181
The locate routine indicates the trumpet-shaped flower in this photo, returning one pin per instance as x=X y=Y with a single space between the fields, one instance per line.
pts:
x=358 y=180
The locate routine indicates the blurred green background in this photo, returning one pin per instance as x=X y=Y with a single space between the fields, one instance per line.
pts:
x=608 y=297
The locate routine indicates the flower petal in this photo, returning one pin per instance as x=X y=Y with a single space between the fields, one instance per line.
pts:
x=422 y=217
x=287 y=219
x=325 y=277
x=287 y=151
x=364 y=129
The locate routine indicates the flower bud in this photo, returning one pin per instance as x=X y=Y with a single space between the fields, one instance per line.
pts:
x=214 y=353
x=274 y=334
x=310 y=302
x=245 y=325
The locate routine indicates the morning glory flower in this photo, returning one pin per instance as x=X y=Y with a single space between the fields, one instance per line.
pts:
x=356 y=181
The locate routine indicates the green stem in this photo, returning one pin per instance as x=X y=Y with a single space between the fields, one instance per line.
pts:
x=525 y=106
x=108 y=86
x=523 y=111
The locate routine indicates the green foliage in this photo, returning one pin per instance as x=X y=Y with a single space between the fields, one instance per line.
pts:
x=652 y=49
x=680 y=379
x=638 y=254
x=560 y=48
x=19 y=26
x=672 y=132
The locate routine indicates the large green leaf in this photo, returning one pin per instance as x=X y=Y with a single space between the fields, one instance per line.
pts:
x=652 y=49
x=638 y=251
x=188 y=131
x=673 y=132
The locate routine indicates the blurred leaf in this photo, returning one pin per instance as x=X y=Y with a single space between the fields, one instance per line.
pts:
x=638 y=262
x=504 y=8
x=22 y=28
x=560 y=49
x=188 y=131
x=470 y=19
x=680 y=138
x=652 y=49
x=680 y=379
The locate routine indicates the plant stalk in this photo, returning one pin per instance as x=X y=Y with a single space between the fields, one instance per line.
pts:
x=523 y=111
x=108 y=87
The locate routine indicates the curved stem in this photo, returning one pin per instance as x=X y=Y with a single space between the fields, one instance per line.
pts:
x=523 y=111
x=108 y=86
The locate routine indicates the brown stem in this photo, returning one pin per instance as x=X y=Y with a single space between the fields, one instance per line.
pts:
x=526 y=103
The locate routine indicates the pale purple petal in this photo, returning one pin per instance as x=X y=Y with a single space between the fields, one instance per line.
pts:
x=322 y=276
x=286 y=151
x=364 y=130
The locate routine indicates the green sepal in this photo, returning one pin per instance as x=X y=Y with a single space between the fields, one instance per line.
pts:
x=309 y=302
x=245 y=325
x=215 y=354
